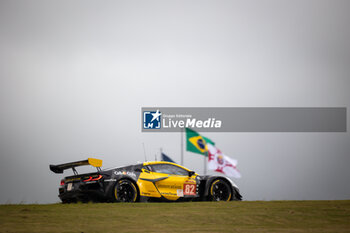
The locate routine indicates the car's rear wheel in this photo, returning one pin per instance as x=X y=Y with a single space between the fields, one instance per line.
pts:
x=220 y=191
x=125 y=191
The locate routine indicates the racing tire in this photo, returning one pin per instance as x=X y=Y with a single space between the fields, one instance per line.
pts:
x=125 y=191
x=220 y=191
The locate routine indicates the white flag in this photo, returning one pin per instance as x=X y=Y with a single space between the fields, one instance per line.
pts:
x=221 y=163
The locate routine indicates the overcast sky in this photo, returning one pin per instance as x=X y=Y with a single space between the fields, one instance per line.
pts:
x=75 y=74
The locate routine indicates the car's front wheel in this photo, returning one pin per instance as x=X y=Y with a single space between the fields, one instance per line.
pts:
x=125 y=191
x=220 y=191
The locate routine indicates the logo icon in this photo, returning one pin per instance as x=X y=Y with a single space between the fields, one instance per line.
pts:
x=152 y=119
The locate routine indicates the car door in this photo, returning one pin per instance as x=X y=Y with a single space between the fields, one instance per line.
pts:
x=146 y=183
x=173 y=181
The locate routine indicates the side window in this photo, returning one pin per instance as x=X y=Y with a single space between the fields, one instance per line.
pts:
x=148 y=168
x=169 y=169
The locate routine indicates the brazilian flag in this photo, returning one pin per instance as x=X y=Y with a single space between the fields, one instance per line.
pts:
x=197 y=143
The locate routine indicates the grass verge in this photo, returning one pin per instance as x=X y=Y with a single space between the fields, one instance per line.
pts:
x=246 y=216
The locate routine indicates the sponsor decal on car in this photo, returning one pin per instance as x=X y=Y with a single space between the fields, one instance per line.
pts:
x=169 y=194
x=125 y=173
x=169 y=186
x=180 y=193
x=110 y=180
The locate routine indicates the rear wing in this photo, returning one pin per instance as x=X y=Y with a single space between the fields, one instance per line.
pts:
x=90 y=161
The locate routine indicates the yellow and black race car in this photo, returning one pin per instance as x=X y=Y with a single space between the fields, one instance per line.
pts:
x=149 y=181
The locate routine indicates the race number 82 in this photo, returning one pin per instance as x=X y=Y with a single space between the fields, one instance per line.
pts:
x=189 y=189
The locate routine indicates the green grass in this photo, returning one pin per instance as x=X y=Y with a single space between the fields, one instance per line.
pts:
x=246 y=216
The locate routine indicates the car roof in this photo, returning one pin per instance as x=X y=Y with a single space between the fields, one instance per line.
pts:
x=163 y=162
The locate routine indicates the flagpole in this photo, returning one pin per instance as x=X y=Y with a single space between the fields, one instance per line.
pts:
x=182 y=146
x=205 y=163
x=161 y=152
x=144 y=151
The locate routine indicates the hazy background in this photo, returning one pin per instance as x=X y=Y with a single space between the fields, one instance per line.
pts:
x=75 y=74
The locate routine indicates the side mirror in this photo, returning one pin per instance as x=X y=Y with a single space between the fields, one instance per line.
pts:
x=141 y=170
x=191 y=173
